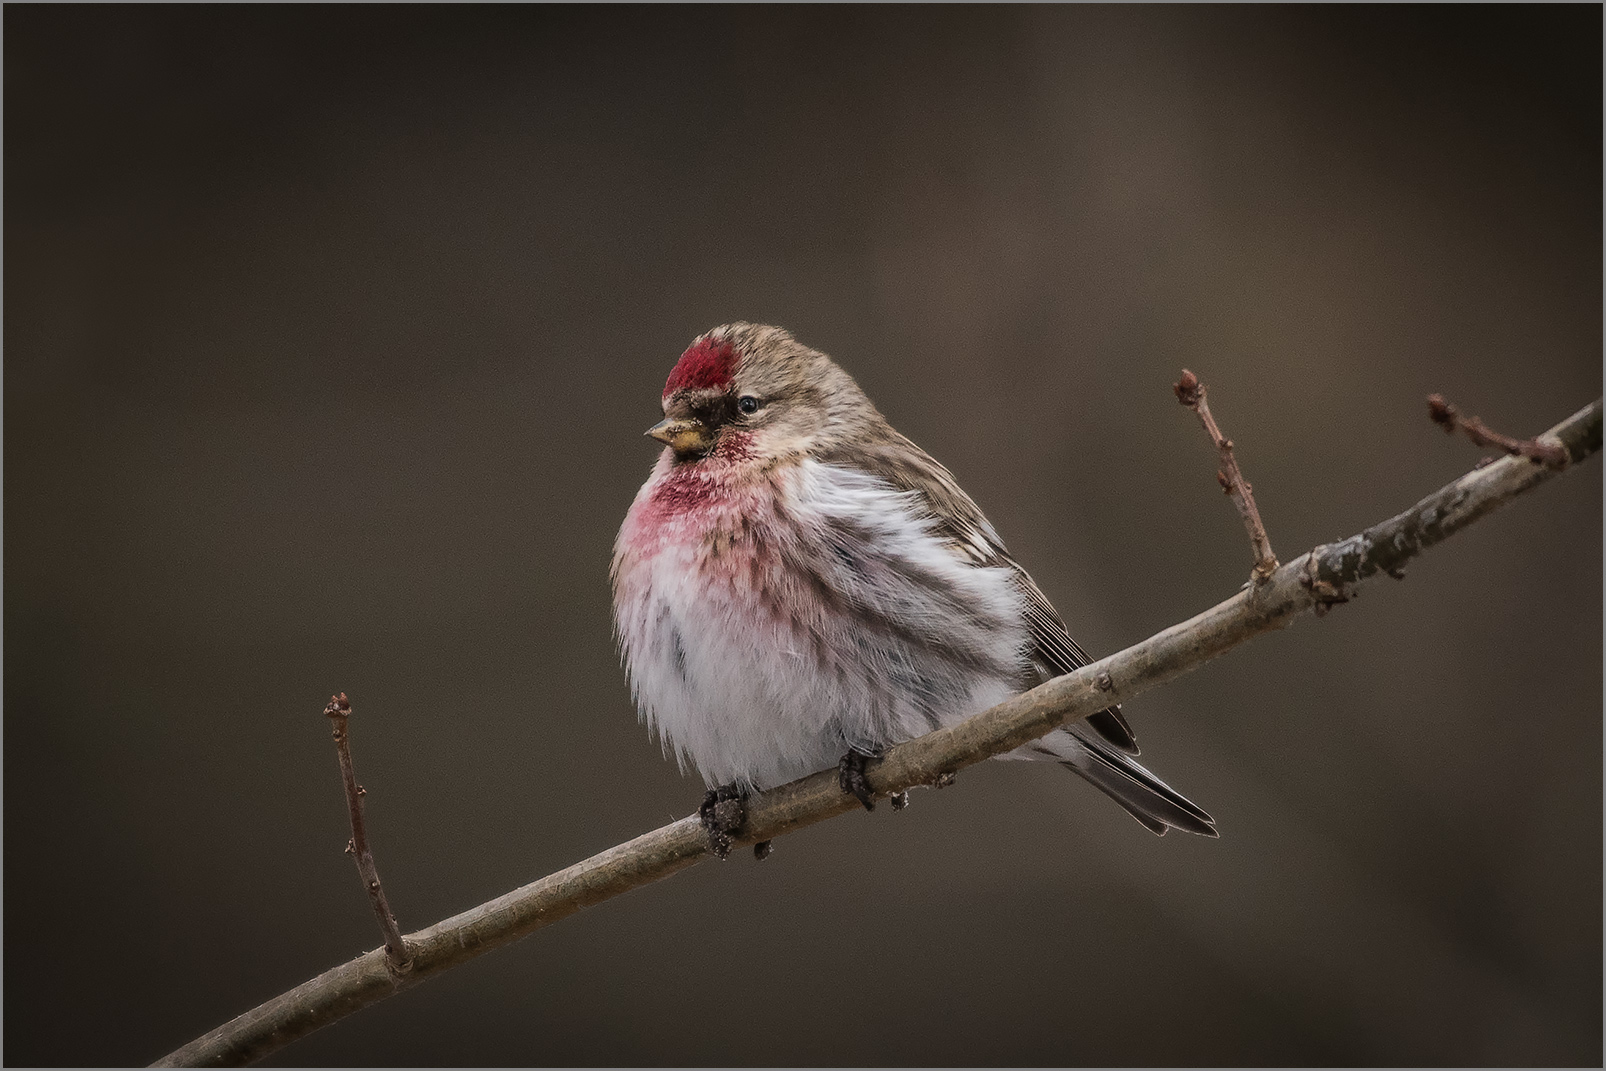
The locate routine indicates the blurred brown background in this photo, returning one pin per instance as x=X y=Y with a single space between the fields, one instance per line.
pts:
x=330 y=337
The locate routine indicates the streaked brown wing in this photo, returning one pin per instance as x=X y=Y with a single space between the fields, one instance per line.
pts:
x=909 y=468
x=1060 y=654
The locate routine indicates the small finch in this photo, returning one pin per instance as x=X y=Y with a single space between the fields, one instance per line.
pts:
x=798 y=586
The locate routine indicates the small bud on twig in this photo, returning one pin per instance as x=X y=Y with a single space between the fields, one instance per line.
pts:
x=396 y=956
x=1441 y=412
x=1191 y=393
x=1187 y=389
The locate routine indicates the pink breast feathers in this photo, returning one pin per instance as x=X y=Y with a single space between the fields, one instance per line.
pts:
x=690 y=500
x=707 y=363
x=686 y=491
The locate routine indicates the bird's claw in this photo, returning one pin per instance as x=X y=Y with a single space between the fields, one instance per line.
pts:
x=850 y=775
x=723 y=812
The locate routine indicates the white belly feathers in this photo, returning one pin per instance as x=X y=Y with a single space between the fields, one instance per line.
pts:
x=764 y=640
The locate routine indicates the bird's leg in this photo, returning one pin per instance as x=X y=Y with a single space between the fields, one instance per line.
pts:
x=723 y=812
x=850 y=775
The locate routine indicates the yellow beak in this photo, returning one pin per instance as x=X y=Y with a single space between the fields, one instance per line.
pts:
x=684 y=436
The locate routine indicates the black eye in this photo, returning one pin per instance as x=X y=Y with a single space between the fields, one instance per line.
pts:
x=747 y=403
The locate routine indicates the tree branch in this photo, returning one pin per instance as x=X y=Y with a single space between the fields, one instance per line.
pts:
x=1450 y=419
x=1318 y=579
x=1191 y=393
x=396 y=957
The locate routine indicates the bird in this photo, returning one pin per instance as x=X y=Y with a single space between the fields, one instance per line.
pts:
x=797 y=586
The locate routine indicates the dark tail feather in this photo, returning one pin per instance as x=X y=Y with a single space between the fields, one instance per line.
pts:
x=1145 y=797
x=1153 y=825
x=1112 y=726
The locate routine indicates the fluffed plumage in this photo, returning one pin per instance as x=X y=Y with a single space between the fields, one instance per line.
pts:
x=796 y=579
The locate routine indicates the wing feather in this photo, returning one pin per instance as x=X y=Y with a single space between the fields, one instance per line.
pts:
x=907 y=467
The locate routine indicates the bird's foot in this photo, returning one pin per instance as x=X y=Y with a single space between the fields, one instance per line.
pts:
x=723 y=813
x=850 y=775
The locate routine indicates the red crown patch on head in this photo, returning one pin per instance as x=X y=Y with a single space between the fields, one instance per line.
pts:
x=708 y=362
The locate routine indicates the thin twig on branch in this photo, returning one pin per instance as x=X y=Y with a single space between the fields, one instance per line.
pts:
x=1450 y=419
x=1318 y=578
x=396 y=957
x=1191 y=393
